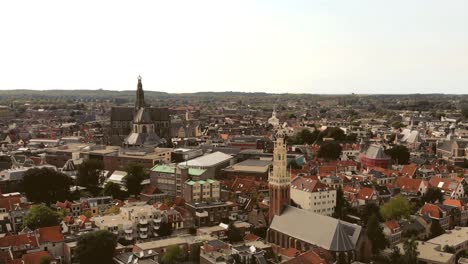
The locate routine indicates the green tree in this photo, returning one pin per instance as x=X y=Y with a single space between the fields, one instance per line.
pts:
x=399 y=154
x=410 y=247
x=436 y=230
x=395 y=256
x=396 y=208
x=195 y=252
x=46 y=185
x=375 y=234
x=172 y=255
x=165 y=229
x=233 y=234
x=41 y=216
x=369 y=210
x=89 y=173
x=342 y=205
x=45 y=260
x=113 y=189
x=135 y=175
x=432 y=195
x=96 y=247
x=330 y=150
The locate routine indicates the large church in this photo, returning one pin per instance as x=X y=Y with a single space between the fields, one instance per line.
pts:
x=292 y=227
x=140 y=123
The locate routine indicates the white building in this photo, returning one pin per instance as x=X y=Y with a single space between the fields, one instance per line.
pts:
x=312 y=195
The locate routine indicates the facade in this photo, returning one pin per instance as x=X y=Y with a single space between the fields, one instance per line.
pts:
x=170 y=179
x=313 y=195
x=201 y=191
x=122 y=119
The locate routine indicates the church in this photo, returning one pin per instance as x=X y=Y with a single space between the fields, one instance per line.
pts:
x=292 y=227
x=140 y=123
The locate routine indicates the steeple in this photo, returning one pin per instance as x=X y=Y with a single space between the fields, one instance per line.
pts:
x=140 y=95
x=279 y=180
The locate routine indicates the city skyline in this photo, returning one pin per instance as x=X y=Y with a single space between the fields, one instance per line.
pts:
x=318 y=47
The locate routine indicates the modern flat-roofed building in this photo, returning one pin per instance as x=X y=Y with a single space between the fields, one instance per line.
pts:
x=250 y=167
x=212 y=163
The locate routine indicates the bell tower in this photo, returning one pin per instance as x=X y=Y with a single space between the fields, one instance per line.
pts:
x=279 y=180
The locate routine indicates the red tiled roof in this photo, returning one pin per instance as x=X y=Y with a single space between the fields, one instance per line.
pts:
x=50 y=234
x=445 y=184
x=251 y=237
x=453 y=203
x=309 y=257
x=34 y=257
x=431 y=210
x=409 y=170
x=365 y=193
x=392 y=225
x=9 y=202
x=289 y=252
x=150 y=189
x=307 y=185
x=18 y=240
x=408 y=184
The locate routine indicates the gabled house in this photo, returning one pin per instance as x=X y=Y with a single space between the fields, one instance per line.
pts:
x=412 y=187
x=392 y=232
x=436 y=213
x=450 y=187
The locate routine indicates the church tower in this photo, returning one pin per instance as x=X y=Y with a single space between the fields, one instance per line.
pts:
x=140 y=95
x=279 y=180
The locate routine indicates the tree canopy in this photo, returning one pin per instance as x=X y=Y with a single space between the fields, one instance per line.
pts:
x=375 y=234
x=432 y=195
x=173 y=254
x=135 y=175
x=89 y=173
x=45 y=185
x=330 y=150
x=233 y=234
x=410 y=247
x=41 y=216
x=342 y=205
x=165 y=229
x=399 y=154
x=113 y=189
x=396 y=208
x=96 y=247
x=436 y=230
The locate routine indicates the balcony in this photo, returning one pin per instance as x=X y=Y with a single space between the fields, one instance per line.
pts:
x=201 y=214
x=128 y=231
x=143 y=229
x=157 y=220
x=128 y=237
x=143 y=236
x=156 y=227
x=143 y=221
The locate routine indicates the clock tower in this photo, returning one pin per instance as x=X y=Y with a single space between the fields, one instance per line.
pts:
x=279 y=180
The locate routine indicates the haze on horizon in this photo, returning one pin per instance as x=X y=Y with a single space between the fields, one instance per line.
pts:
x=307 y=46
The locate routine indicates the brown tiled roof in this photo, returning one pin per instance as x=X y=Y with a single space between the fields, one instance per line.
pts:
x=50 y=234
x=431 y=210
x=9 y=202
x=308 y=185
x=408 y=184
x=34 y=257
x=392 y=225
x=365 y=193
x=409 y=170
x=309 y=257
x=453 y=203
x=18 y=240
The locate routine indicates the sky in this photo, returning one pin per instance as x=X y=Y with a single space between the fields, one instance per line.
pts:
x=288 y=46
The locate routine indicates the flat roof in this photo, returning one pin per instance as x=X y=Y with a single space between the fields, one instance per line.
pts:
x=211 y=159
x=455 y=237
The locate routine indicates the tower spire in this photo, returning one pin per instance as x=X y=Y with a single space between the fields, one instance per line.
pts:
x=140 y=95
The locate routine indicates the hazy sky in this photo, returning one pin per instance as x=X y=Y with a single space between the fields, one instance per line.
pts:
x=311 y=46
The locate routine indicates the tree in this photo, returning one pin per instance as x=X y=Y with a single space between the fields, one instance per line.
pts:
x=330 y=150
x=96 y=247
x=135 y=175
x=368 y=210
x=45 y=260
x=195 y=252
x=41 y=216
x=395 y=256
x=113 y=189
x=436 y=230
x=172 y=255
x=233 y=234
x=375 y=234
x=46 y=185
x=410 y=247
x=165 y=229
x=399 y=154
x=432 y=195
x=89 y=173
x=396 y=208
x=342 y=205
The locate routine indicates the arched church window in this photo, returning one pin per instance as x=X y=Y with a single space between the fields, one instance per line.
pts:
x=145 y=130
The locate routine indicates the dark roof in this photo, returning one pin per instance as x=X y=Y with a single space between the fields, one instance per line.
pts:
x=126 y=113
